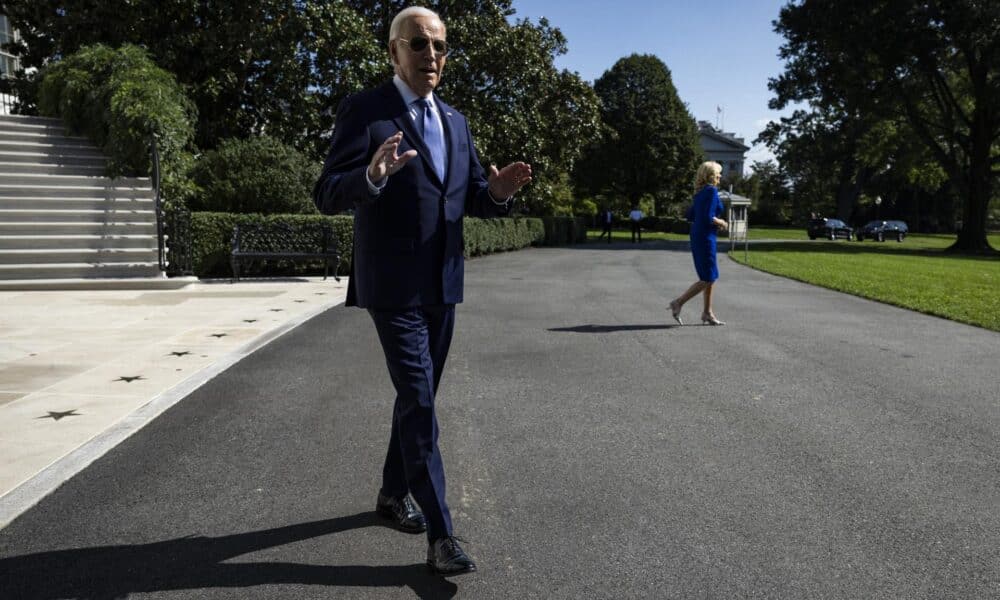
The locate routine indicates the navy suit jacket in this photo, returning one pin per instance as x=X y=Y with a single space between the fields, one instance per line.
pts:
x=408 y=245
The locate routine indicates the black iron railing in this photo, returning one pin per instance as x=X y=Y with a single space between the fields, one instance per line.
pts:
x=173 y=226
x=158 y=204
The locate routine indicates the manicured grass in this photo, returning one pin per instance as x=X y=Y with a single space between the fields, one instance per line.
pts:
x=914 y=274
x=777 y=233
x=625 y=235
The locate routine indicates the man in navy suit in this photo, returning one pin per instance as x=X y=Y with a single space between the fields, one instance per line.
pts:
x=405 y=162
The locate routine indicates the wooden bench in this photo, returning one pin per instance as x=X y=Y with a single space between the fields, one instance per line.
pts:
x=283 y=241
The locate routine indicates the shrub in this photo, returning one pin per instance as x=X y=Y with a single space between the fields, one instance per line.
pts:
x=256 y=175
x=211 y=240
x=212 y=235
x=560 y=231
x=486 y=236
x=119 y=99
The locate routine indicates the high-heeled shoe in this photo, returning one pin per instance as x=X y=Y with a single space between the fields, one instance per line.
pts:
x=675 y=311
x=709 y=319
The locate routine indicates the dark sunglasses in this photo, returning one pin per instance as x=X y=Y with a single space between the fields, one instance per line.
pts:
x=419 y=44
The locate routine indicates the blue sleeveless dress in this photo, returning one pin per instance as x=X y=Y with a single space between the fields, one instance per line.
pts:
x=707 y=205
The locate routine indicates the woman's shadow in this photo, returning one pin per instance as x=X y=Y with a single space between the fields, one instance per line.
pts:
x=111 y=572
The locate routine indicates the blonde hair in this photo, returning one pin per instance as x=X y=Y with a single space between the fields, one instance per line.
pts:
x=705 y=172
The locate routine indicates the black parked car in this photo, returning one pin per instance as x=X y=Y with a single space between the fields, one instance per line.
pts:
x=880 y=230
x=831 y=229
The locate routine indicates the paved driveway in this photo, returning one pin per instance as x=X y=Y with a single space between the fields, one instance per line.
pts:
x=820 y=446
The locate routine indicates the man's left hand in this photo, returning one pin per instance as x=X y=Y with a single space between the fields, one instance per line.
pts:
x=508 y=180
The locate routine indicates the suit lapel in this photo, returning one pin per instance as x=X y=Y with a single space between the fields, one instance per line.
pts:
x=451 y=136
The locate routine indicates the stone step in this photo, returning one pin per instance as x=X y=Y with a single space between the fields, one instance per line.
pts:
x=33 y=228
x=66 y=241
x=8 y=155
x=14 y=215
x=45 y=136
x=60 y=180
x=43 y=205
x=74 y=191
x=26 y=120
x=44 y=147
x=79 y=270
x=108 y=256
x=14 y=169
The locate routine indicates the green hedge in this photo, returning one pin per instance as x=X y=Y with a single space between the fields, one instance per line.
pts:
x=560 y=231
x=256 y=175
x=486 y=236
x=212 y=232
x=119 y=98
x=212 y=235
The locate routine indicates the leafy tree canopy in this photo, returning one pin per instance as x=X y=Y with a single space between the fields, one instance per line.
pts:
x=274 y=65
x=650 y=146
x=933 y=66
x=281 y=67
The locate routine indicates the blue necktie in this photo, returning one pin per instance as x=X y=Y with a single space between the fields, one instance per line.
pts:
x=433 y=137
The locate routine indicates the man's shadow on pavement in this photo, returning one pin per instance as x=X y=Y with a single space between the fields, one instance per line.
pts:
x=113 y=572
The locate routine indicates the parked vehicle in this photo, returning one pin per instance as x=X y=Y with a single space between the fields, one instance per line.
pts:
x=831 y=229
x=880 y=230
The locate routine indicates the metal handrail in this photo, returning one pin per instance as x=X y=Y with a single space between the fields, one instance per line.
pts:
x=160 y=241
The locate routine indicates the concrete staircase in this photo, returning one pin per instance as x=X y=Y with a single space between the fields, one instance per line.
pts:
x=63 y=224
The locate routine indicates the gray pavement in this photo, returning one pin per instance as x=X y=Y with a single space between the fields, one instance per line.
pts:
x=820 y=446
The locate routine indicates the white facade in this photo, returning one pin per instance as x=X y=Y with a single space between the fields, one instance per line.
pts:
x=8 y=62
x=723 y=148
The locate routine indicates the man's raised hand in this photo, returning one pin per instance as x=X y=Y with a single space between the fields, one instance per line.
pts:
x=505 y=182
x=385 y=161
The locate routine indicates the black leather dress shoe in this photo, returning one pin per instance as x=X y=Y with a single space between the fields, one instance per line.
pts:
x=446 y=557
x=403 y=513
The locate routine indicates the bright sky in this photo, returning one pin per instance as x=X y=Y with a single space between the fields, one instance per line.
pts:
x=720 y=54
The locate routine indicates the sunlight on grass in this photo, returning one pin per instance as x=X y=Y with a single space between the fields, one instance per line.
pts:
x=914 y=274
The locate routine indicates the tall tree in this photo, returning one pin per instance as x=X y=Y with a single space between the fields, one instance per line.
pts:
x=274 y=65
x=934 y=64
x=281 y=67
x=650 y=147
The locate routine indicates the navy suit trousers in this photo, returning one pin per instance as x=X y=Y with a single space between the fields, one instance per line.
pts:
x=415 y=342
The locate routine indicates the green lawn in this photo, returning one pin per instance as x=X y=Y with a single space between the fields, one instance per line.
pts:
x=914 y=274
x=625 y=235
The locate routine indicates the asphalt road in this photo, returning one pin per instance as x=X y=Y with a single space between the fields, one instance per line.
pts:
x=819 y=446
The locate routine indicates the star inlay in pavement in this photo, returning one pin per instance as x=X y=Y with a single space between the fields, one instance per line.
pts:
x=218 y=335
x=55 y=416
x=128 y=379
x=184 y=353
x=249 y=320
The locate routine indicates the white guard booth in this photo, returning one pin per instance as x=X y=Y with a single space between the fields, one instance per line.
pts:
x=738 y=207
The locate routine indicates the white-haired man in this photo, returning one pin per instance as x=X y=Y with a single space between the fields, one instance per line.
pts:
x=404 y=161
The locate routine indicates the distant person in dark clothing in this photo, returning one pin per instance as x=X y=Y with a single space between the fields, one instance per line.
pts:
x=604 y=218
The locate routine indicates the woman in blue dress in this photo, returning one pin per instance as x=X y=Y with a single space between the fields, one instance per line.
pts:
x=707 y=212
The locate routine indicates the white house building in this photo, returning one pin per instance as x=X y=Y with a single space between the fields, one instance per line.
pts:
x=723 y=148
x=8 y=62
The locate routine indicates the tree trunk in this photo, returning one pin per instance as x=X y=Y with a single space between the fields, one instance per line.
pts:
x=977 y=190
x=972 y=236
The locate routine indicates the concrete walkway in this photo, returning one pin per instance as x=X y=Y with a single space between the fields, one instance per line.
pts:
x=82 y=370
